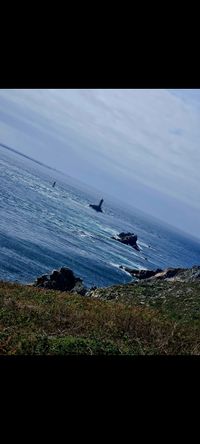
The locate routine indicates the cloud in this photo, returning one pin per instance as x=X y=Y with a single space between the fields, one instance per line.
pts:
x=148 y=137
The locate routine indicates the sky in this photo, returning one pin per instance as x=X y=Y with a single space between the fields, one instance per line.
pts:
x=139 y=145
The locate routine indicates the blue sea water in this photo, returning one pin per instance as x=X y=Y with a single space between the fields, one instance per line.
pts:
x=43 y=228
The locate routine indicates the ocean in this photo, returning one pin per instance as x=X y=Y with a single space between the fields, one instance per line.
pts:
x=44 y=228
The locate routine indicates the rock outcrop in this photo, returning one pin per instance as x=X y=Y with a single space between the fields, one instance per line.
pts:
x=172 y=274
x=63 y=280
x=127 y=239
x=141 y=274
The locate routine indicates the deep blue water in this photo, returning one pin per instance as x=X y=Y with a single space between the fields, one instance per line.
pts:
x=43 y=228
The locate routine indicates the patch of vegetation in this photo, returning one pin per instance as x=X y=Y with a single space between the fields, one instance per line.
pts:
x=159 y=318
x=178 y=301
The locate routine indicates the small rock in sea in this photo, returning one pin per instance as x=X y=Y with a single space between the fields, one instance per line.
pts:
x=127 y=239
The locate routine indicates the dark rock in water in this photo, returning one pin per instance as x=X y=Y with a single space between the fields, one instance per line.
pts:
x=97 y=207
x=142 y=274
x=127 y=239
x=63 y=280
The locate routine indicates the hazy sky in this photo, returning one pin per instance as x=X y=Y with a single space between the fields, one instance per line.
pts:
x=143 y=146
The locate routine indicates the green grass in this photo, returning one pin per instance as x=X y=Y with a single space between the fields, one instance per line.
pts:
x=176 y=300
x=163 y=318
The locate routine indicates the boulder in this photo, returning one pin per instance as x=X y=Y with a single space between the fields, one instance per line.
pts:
x=63 y=280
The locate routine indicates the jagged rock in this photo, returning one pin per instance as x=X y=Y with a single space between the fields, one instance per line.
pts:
x=168 y=273
x=127 y=239
x=142 y=274
x=63 y=280
x=175 y=274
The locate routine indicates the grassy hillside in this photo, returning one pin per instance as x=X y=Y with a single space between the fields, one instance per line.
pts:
x=143 y=318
